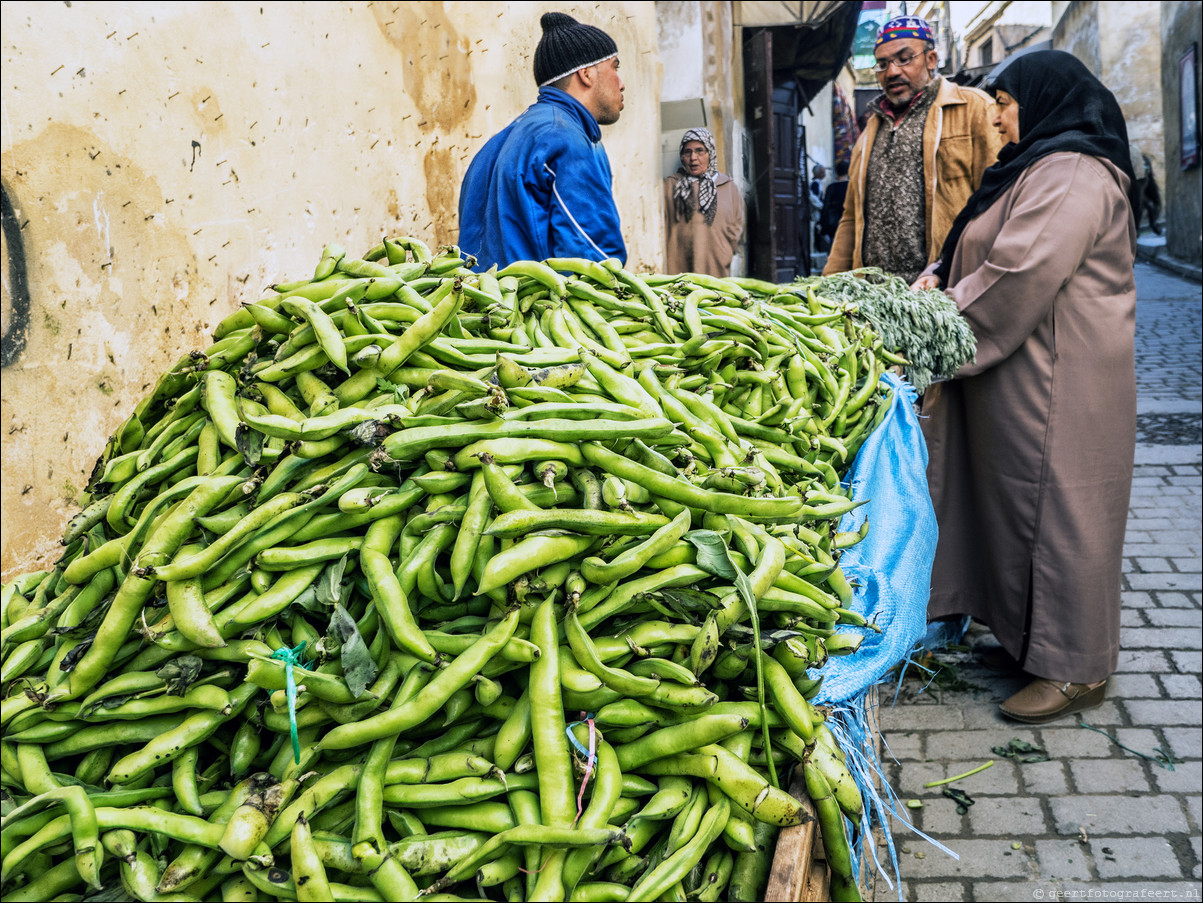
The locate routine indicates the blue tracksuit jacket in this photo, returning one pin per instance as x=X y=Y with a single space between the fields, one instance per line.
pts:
x=541 y=188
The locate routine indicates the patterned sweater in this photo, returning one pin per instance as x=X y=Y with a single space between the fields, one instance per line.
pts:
x=895 y=207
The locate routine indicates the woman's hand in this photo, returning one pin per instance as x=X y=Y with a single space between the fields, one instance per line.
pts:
x=925 y=282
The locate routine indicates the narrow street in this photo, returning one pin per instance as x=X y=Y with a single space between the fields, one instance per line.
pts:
x=1115 y=811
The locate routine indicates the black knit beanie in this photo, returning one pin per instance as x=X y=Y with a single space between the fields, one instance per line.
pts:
x=567 y=46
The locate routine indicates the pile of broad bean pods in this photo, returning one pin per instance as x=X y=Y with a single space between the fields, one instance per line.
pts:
x=424 y=582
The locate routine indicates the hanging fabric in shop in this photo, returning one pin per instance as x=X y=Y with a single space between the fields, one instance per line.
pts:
x=843 y=125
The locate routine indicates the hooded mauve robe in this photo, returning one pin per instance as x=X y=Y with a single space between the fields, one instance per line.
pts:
x=1031 y=447
x=691 y=245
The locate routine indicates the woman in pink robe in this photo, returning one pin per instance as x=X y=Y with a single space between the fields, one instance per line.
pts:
x=1031 y=447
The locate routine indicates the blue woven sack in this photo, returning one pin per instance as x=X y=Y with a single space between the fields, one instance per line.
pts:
x=890 y=569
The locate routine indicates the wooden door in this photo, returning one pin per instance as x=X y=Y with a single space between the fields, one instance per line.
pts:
x=791 y=210
x=758 y=81
x=778 y=230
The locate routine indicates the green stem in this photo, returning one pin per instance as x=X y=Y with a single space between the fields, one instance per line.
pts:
x=959 y=776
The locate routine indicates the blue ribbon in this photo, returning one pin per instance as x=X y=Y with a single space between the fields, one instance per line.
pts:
x=589 y=755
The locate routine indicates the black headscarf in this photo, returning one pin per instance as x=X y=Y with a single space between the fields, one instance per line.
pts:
x=1062 y=107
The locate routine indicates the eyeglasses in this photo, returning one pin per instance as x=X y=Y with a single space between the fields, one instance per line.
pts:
x=903 y=60
x=700 y=152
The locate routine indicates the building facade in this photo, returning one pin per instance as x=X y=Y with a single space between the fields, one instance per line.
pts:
x=1180 y=37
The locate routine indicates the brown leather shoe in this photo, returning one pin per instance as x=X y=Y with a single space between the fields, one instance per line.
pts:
x=1047 y=700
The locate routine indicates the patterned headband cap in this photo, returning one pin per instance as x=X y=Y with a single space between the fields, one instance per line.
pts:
x=904 y=27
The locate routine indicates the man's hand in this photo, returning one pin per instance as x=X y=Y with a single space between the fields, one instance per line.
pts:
x=925 y=282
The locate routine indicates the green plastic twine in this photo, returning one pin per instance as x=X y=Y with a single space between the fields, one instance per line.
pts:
x=1163 y=758
x=291 y=657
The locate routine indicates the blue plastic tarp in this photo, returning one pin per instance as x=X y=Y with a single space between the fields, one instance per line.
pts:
x=890 y=569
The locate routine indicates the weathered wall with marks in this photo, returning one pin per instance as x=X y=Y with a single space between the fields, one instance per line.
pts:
x=702 y=64
x=1130 y=46
x=1121 y=44
x=1077 y=32
x=164 y=162
x=1181 y=25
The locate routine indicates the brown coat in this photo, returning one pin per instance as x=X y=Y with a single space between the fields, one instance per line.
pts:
x=691 y=246
x=1031 y=447
x=959 y=144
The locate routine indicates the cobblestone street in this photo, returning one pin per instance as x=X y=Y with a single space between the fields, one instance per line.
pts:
x=1115 y=811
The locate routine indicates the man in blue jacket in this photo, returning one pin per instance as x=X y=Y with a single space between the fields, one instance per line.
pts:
x=542 y=187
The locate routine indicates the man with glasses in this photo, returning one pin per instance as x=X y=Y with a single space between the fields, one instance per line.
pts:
x=922 y=153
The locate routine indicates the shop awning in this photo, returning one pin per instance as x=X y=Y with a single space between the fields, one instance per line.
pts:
x=768 y=13
x=811 y=40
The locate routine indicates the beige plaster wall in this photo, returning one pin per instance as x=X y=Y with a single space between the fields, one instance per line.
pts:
x=166 y=161
x=698 y=55
x=701 y=59
x=1181 y=25
x=1077 y=32
x=723 y=77
x=1121 y=43
x=1130 y=47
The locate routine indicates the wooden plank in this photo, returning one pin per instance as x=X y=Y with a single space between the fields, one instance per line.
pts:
x=792 y=863
x=868 y=873
x=818 y=883
x=799 y=873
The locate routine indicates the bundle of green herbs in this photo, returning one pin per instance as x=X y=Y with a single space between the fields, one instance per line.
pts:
x=925 y=326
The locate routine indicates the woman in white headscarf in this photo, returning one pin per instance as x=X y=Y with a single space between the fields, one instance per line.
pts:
x=704 y=212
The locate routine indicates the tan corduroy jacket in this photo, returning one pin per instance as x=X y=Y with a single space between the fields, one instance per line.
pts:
x=959 y=144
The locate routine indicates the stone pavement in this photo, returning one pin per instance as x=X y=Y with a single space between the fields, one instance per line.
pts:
x=1151 y=248
x=1106 y=817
